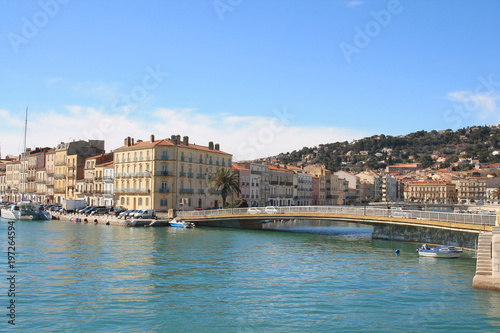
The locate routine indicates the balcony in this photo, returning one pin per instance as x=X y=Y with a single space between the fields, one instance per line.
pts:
x=190 y=174
x=201 y=191
x=163 y=190
x=182 y=174
x=163 y=173
x=200 y=175
x=131 y=191
x=186 y=190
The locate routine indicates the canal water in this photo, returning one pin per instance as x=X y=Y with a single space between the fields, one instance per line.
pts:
x=292 y=277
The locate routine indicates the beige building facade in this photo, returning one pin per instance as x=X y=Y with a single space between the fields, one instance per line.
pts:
x=167 y=174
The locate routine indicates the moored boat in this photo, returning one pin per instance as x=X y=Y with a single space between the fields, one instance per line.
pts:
x=176 y=223
x=25 y=210
x=445 y=251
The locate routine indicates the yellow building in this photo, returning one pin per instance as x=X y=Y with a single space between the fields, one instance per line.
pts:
x=69 y=162
x=167 y=173
x=471 y=190
x=431 y=192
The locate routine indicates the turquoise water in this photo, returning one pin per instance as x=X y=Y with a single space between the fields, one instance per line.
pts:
x=313 y=277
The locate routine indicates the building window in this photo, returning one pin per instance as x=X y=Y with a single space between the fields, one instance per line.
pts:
x=139 y=202
x=163 y=202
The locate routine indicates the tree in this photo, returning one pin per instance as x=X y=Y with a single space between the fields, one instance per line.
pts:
x=226 y=181
x=496 y=193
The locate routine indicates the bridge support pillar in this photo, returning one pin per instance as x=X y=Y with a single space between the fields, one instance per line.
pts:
x=495 y=253
x=491 y=281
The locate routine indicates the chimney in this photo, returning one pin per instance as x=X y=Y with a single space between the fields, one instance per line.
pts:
x=172 y=138
x=217 y=147
x=132 y=141
x=211 y=145
x=127 y=141
x=178 y=139
x=152 y=138
x=185 y=140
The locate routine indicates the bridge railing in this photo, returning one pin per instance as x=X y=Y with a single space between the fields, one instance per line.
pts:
x=466 y=218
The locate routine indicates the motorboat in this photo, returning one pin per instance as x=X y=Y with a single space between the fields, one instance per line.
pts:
x=445 y=251
x=177 y=223
x=25 y=210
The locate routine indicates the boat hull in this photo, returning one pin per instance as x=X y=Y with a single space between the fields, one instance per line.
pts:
x=21 y=214
x=180 y=224
x=440 y=252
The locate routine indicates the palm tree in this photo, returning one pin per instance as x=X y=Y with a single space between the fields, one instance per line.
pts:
x=226 y=181
x=496 y=193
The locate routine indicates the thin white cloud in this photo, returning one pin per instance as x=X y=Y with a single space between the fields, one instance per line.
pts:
x=484 y=106
x=354 y=3
x=244 y=137
x=100 y=90
x=53 y=80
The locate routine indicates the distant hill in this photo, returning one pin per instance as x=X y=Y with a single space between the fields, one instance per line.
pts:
x=436 y=149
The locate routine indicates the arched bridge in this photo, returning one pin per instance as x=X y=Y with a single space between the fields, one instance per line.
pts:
x=458 y=229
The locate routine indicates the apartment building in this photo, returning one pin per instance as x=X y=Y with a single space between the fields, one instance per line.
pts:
x=471 y=190
x=280 y=186
x=69 y=164
x=438 y=192
x=352 y=194
x=167 y=174
x=93 y=190
x=254 y=183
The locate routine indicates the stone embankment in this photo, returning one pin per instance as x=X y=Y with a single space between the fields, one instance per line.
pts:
x=111 y=220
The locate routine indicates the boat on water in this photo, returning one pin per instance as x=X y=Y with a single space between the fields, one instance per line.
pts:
x=25 y=210
x=177 y=223
x=445 y=251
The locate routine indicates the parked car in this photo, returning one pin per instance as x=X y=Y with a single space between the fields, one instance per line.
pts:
x=144 y=214
x=99 y=211
x=81 y=210
x=254 y=210
x=126 y=214
x=270 y=210
x=92 y=209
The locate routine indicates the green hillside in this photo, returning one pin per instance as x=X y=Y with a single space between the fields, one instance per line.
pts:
x=435 y=149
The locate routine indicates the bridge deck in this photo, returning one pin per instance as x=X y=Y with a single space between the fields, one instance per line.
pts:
x=345 y=217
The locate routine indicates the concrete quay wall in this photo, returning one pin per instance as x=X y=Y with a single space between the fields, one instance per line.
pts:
x=422 y=234
x=111 y=220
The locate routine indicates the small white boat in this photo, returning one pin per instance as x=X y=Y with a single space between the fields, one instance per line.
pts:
x=25 y=210
x=176 y=223
x=445 y=251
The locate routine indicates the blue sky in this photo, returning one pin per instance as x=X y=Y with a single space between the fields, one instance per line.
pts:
x=259 y=77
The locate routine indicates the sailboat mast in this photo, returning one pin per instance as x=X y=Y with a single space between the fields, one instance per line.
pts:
x=23 y=158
